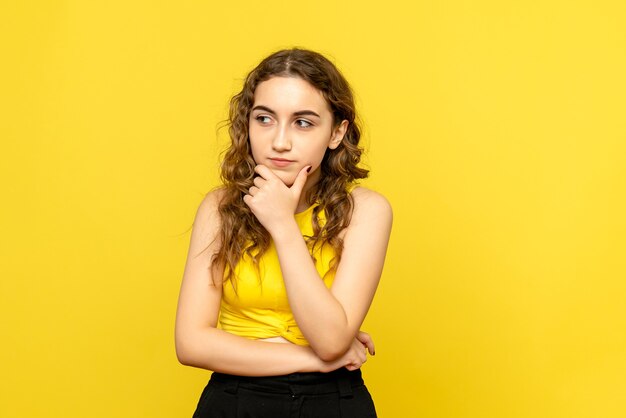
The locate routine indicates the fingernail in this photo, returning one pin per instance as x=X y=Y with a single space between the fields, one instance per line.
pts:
x=308 y=170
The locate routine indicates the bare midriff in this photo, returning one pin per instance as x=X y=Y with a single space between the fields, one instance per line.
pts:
x=275 y=340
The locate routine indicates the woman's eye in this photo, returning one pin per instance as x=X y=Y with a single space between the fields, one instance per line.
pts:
x=303 y=123
x=263 y=119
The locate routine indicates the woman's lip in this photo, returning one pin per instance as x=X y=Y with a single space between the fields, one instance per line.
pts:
x=280 y=162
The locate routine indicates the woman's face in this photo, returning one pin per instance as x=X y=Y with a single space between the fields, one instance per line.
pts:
x=291 y=126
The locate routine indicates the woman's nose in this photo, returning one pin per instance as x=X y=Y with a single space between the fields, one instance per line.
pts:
x=282 y=141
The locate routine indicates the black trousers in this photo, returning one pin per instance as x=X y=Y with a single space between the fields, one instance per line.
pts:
x=338 y=394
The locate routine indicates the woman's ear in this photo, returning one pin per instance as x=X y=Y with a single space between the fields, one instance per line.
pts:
x=338 y=134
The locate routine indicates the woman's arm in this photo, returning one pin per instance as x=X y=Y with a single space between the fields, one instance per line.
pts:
x=328 y=318
x=200 y=344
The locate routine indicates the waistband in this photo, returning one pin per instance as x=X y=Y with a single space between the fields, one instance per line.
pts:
x=304 y=383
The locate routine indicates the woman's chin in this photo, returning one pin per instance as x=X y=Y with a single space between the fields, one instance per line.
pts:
x=286 y=178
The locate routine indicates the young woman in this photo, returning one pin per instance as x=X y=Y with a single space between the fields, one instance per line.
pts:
x=287 y=254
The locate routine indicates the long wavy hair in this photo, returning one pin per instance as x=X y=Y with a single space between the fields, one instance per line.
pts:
x=241 y=234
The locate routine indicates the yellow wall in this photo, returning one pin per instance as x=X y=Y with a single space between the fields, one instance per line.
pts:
x=496 y=129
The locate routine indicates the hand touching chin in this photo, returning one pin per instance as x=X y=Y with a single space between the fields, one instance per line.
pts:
x=286 y=177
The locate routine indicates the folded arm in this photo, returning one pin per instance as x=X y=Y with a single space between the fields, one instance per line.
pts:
x=330 y=318
x=199 y=343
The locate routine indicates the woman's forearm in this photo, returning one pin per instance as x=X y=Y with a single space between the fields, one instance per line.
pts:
x=319 y=315
x=328 y=318
x=217 y=350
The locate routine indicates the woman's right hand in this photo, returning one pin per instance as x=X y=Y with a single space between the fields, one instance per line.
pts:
x=355 y=356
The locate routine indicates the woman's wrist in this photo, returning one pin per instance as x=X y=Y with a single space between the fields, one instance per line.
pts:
x=285 y=230
x=311 y=362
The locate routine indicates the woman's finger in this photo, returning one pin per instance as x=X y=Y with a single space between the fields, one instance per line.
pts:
x=253 y=190
x=265 y=172
x=367 y=340
x=259 y=181
x=363 y=354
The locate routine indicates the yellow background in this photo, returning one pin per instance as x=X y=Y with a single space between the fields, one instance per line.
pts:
x=496 y=129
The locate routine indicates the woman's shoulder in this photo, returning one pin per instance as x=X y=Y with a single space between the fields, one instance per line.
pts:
x=214 y=196
x=371 y=221
x=206 y=225
x=370 y=202
x=207 y=214
x=212 y=200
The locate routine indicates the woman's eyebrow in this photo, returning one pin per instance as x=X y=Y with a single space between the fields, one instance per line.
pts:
x=298 y=113
x=264 y=108
x=305 y=112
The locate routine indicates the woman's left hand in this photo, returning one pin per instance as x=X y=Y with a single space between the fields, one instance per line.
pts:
x=271 y=201
x=366 y=339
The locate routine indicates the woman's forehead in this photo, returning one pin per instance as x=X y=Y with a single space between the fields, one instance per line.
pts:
x=288 y=95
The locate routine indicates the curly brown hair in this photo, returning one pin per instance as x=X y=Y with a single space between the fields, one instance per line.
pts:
x=241 y=233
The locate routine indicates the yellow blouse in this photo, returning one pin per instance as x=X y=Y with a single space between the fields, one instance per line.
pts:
x=260 y=308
